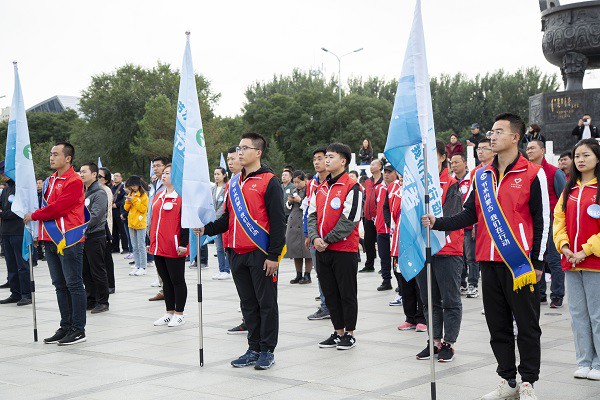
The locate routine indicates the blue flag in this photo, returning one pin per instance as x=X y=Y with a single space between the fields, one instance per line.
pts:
x=222 y=163
x=19 y=165
x=99 y=163
x=411 y=127
x=190 y=175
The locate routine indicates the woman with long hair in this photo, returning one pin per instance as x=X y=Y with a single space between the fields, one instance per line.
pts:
x=294 y=236
x=219 y=196
x=577 y=237
x=168 y=244
x=136 y=204
x=365 y=154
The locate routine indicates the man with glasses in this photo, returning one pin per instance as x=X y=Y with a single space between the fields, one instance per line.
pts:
x=256 y=223
x=510 y=196
x=156 y=186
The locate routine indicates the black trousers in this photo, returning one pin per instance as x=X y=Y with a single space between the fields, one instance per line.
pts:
x=172 y=273
x=258 y=298
x=411 y=302
x=383 y=247
x=337 y=276
x=369 y=242
x=108 y=261
x=501 y=303
x=119 y=233
x=94 y=270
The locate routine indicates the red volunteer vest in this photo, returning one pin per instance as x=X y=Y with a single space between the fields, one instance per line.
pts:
x=454 y=241
x=165 y=228
x=380 y=226
x=395 y=203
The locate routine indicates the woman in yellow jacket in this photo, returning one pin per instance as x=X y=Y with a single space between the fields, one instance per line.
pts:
x=577 y=237
x=136 y=204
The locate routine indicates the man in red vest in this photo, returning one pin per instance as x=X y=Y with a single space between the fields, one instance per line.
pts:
x=333 y=218
x=254 y=209
x=536 y=152
x=519 y=189
x=370 y=211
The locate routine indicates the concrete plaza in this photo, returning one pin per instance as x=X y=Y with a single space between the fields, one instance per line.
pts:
x=126 y=357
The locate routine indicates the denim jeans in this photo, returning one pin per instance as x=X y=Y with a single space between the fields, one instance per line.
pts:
x=445 y=294
x=138 y=241
x=129 y=245
x=552 y=258
x=583 y=288
x=383 y=248
x=18 y=269
x=472 y=265
x=221 y=256
x=313 y=254
x=66 y=275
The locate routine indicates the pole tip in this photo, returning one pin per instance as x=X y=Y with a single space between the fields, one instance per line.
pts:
x=14 y=63
x=187 y=33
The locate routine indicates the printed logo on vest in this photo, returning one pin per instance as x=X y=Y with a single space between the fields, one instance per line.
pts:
x=517 y=183
x=336 y=203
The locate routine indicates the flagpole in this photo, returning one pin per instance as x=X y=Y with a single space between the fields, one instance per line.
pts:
x=200 y=330
x=32 y=287
x=429 y=296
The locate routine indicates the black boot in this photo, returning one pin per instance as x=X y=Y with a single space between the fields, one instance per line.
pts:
x=305 y=279
x=297 y=279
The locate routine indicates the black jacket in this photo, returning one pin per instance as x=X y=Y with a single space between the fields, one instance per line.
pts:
x=12 y=224
x=578 y=131
x=274 y=206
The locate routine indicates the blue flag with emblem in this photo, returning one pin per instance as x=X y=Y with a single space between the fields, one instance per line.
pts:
x=189 y=174
x=19 y=165
x=411 y=127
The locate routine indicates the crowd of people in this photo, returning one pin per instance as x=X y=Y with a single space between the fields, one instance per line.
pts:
x=508 y=221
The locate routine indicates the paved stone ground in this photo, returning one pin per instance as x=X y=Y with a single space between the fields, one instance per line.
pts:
x=126 y=357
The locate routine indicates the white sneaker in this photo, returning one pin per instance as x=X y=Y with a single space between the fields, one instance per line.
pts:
x=582 y=372
x=594 y=375
x=526 y=391
x=204 y=266
x=164 y=320
x=129 y=256
x=149 y=263
x=216 y=276
x=140 y=272
x=132 y=272
x=177 y=320
x=503 y=392
x=156 y=283
x=224 y=276
x=472 y=292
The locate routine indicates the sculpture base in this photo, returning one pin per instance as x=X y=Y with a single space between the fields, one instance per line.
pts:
x=558 y=113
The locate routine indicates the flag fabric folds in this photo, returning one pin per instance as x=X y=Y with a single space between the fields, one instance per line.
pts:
x=222 y=162
x=19 y=165
x=99 y=163
x=411 y=127
x=190 y=175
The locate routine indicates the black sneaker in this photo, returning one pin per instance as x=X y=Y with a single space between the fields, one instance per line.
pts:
x=367 y=269
x=385 y=285
x=90 y=306
x=317 y=298
x=248 y=358
x=319 y=314
x=100 y=308
x=9 y=300
x=446 y=353
x=424 y=354
x=5 y=286
x=266 y=359
x=73 y=337
x=58 y=335
x=543 y=300
x=556 y=303
x=330 y=342
x=24 y=301
x=346 y=342
x=305 y=279
x=241 y=328
x=296 y=279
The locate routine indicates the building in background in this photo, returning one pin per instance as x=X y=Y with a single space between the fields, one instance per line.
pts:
x=57 y=104
x=4 y=114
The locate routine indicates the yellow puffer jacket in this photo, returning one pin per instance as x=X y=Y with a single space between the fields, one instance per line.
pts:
x=137 y=207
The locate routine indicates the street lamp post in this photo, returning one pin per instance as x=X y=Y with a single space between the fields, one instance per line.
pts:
x=340 y=67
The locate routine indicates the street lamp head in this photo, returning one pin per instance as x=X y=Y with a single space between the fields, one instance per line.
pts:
x=357 y=50
x=324 y=49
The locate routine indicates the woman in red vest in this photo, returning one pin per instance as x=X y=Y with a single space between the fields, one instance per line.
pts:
x=577 y=237
x=168 y=244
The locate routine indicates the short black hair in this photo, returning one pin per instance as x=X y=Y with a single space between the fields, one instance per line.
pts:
x=540 y=143
x=299 y=174
x=321 y=149
x=486 y=140
x=288 y=167
x=107 y=174
x=341 y=149
x=462 y=155
x=162 y=159
x=354 y=172
x=232 y=149
x=92 y=166
x=516 y=123
x=565 y=154
x=257 y=139
x=68 y=150
x=39 y=179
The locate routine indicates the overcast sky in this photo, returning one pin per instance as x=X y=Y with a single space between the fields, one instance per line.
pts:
x=60 y=44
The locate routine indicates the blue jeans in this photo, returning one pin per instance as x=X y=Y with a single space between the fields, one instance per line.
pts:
x=313 y=254
x=129 y=245
x=18 y=269
x=584 y=307
x=552 y=258
x=66 y=275
x=221 y=256
x=472 y=265
x=138 y=241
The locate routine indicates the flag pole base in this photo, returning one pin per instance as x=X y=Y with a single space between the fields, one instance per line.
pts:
x=201 y=357
x=433 y=391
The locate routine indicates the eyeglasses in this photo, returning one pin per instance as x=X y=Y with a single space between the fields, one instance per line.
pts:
x=243 y=149
x=482 y=149
x=101 y=177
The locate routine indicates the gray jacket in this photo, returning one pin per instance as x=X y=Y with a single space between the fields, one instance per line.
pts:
x=96 y=202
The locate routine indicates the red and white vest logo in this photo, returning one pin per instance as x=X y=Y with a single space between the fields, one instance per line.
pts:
x=517 y=183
